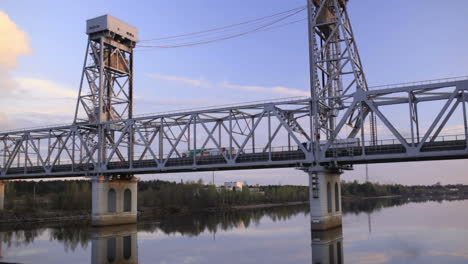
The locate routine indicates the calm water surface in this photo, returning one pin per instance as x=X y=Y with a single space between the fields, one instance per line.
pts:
x=429 y=232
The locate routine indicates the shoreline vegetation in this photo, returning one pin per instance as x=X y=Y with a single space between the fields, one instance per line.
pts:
x=70 y=201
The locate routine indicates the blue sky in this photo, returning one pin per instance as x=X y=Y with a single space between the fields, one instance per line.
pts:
x=399 y=41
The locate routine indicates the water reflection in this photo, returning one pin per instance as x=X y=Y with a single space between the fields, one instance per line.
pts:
x=116 y=244
x=195 y=225
x=252 y=232
x=73 y=236
x=327 y=246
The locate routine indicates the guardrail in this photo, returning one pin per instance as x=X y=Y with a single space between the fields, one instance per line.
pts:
x=195 y=109
x=397 y=85
x=34 y=128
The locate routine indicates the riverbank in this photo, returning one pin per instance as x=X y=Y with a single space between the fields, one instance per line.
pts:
x=11 y=218
x=69 y=201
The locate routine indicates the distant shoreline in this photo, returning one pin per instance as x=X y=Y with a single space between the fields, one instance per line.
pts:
x=144 y=213
x=15 y=219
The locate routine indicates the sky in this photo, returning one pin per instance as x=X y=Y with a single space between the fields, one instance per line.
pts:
x=43 y=44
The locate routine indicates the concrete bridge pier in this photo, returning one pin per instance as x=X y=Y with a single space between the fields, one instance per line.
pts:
x=114 y=200
x=2 y=195
x=114 y=244
x=325 y=197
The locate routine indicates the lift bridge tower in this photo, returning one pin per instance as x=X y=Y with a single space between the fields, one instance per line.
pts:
x=336 y=73
x=106 y=94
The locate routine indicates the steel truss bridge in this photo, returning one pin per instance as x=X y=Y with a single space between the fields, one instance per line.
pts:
x=255 y=132
x=337 y=126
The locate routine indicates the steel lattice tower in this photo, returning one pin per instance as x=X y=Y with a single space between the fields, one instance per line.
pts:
x=336 y=69
x=106 y=86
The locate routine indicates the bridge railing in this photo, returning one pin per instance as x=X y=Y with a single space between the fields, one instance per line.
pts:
x=35 y=128
x=233 y=105
x=406 y=84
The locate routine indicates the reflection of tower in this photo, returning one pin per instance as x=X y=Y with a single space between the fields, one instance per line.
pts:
x=369 y=222
x=115 y=244
x=367 y=173
x=327 y=246
x=1 y=240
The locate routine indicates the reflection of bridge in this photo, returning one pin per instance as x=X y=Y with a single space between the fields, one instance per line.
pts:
x=322 y=134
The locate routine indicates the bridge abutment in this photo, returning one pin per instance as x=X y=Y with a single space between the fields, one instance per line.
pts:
x=325 y=198
x=2 y=195
x=114 y=201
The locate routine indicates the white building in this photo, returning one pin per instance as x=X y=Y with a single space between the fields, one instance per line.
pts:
x=234 y=186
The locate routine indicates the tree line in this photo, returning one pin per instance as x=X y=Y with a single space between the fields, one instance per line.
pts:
x=164 y=197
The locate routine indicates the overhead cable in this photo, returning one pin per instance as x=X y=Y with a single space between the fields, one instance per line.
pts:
x=223 y=28
x=263 y=27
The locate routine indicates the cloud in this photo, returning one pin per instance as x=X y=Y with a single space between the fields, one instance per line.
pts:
x=39 y=96
x=37 y=102
x=13 y=44
x=186 y=102
x=44 y=88
x=368 y=257
x=275 y=89
x=27 y=101
x=4 y=121
x=280 y=90
x=183 y=80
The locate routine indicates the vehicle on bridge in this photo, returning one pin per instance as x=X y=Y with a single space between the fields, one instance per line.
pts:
x=208 y=152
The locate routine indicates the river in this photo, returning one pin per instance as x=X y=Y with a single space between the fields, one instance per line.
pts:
x=374 y=231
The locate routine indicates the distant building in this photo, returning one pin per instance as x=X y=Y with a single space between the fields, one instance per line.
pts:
x=256 y=189
x=234 y=186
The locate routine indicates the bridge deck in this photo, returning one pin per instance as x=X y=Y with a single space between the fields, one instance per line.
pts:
x=439 y=150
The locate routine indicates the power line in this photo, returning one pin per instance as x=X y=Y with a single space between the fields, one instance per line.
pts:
x=145 y=48
x=284 y=24
x=213 y=30
x=210 y=33
x=261 y=28
x=257 y=29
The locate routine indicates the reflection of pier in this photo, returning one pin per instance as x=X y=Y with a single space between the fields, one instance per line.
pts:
x=327 y=246
x=115 y=244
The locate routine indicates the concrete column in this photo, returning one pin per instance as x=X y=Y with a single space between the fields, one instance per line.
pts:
x=325 y=198
x=114 y=201
x=327 y=246
x=114 y=244
x=2 y=195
